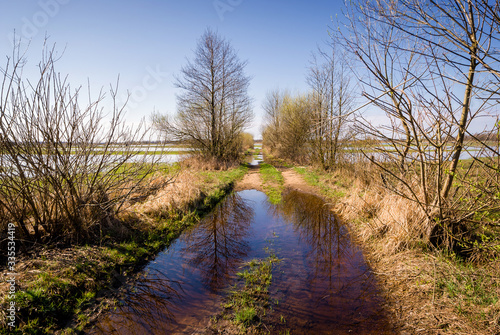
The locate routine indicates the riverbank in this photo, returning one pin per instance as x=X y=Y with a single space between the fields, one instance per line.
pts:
x=61 y=290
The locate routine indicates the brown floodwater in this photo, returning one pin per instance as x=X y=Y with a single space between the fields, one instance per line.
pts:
x=321 y=286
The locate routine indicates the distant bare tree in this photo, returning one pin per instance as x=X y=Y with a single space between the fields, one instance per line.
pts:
x=214 y=107
x=333 y=101
x=287 y=127
x=247 y=141
x=272 y=125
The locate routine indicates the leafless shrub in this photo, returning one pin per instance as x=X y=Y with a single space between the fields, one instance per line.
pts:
x=247 y=141
x=287 y=127
x=417 y=58
x=333 y=105
x=66 y=167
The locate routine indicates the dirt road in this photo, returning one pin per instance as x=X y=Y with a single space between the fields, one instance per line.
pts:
x=293 y=180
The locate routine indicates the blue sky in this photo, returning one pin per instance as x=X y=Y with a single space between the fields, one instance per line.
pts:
x=147 y=42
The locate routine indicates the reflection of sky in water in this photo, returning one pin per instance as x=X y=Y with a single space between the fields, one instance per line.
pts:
x=254 y=160
x=322 y=283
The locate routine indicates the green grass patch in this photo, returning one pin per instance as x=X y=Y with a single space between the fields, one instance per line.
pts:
x=224 y=177
x=62 y=292
x=472 y=290
x=272 y=181
x=248 y=301
x=320 y=179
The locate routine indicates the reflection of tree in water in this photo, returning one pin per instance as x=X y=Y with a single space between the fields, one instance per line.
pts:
x=332 y=255
x=215 y=247
x=217 y=242
x=149 y=306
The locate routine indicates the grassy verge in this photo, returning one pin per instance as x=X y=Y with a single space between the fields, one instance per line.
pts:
x=275 y=161
x=320 y=179
x=427 y=290
x=247 y=303
x=272 y=181
x=227 y=177
x=59 y=290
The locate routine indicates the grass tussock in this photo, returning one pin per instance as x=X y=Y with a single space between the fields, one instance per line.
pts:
x=359 y=198
x=272 y=181
x=248 y=301
x=200 y=163
x=173 y=198
x=428 y=290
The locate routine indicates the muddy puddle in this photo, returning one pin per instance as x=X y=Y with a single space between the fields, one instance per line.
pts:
x=321 y=286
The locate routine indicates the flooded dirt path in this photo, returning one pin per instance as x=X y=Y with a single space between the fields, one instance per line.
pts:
x=321 y=286
x=250 y=181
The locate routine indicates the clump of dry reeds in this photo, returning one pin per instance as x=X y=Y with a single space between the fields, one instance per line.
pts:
x=172 y=198
x=201 y=163
x=378 y=212
x=426 y=292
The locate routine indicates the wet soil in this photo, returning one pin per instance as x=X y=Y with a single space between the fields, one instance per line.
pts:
x=250 y=181
x=293 y=180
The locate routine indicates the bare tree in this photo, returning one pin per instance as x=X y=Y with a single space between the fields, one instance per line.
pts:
x=419 y=57
x=333 y=101
x=214 y=107
x=272 y=125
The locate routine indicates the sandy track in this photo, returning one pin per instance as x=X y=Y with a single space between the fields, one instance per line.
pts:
x=296 y=181
x=293 y=180
x=250 y=181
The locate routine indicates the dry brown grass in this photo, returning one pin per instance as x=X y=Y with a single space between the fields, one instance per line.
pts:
x=384 y=215
x=203 y=164
x=173 y=197
x=427 y=291
x=376 y=212
x=428 y=294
